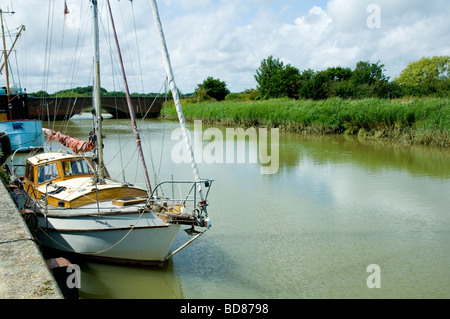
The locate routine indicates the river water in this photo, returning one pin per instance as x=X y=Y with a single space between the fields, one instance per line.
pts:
x=341 y=218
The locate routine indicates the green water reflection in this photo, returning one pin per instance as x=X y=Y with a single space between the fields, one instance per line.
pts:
x=335 y=206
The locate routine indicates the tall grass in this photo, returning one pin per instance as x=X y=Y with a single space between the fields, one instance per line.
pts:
x=413 y=120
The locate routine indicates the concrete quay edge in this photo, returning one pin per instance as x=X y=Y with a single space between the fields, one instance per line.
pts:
x=23 y=271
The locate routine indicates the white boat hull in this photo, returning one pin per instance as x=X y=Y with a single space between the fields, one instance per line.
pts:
x=107 y=219
x=125 y=238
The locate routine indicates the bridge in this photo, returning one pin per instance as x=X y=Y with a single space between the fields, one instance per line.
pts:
x=63 y=108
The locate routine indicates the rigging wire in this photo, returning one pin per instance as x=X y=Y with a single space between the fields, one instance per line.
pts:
x=74 y=70
x=48 y=41
x=164 y=126
x=23 y=63
x=115 y=80
x=114 y=73
x=75 y=60
x=131 y=65
x=11 y=34
x=137 y=46
x=114 y=77
x=126 y=143
x=60 y=56
x=74 y=65
x=130 y=106
x=59 y=71
x=144 y=117
x=142 y=86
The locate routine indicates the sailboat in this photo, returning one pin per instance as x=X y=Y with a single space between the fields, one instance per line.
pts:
x=81 y=209
x=17 y=132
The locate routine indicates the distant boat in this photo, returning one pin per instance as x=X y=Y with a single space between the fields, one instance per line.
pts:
x=24 y=134
x=18 y=133
x=81 y=209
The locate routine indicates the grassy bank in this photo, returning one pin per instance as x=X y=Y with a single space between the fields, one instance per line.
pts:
x=423 y=121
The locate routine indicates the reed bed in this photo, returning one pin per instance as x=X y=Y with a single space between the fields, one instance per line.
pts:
x=424 y=121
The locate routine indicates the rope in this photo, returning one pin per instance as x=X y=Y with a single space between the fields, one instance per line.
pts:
x=100 y=251
x=16 y=240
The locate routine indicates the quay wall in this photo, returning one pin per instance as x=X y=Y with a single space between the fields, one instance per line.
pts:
x=23 y=271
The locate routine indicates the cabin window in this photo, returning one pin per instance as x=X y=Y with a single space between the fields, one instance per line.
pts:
x=77 y=167
x=47 y=172
x=30 y=173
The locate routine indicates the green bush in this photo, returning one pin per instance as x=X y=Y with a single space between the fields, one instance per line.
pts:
x=213 y=88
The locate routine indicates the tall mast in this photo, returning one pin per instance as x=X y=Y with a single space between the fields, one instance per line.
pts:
x=5 y=57
x=96 y=93
x=175 y=96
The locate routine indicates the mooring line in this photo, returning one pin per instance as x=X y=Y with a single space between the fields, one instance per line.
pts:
x=16 y=240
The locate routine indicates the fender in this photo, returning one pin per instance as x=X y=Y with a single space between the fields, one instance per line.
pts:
x=5 y=147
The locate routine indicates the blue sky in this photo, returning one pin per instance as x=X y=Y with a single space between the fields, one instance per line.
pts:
x=225 y=39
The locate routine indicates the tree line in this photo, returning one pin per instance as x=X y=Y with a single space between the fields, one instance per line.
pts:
x=86 y=91
x=425 y=77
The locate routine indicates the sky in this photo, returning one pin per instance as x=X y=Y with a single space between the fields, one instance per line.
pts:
x=225 y=39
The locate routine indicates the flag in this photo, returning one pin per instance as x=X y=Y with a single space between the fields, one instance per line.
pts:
x=66 y=9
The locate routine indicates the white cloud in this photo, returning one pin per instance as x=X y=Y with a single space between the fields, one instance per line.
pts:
x=311 y=28
x=229 y=39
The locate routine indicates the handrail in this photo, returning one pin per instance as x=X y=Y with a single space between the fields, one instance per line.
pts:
x=199 y=212
x=206 y=182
